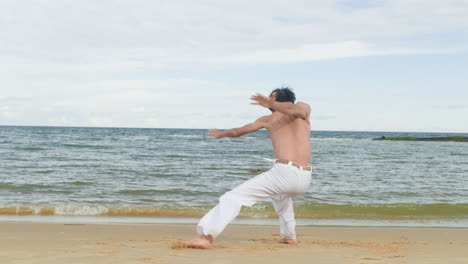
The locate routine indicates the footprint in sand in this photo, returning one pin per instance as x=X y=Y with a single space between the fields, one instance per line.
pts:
x=104 y=253
x=148 y=260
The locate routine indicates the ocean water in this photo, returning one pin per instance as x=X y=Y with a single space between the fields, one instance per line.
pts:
x=135 y=173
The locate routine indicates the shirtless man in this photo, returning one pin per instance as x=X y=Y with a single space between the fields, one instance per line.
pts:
x=289 y=130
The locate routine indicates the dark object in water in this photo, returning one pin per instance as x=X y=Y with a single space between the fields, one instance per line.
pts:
x=454 y=138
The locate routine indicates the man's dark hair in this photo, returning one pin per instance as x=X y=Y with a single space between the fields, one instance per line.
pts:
x=284 y=94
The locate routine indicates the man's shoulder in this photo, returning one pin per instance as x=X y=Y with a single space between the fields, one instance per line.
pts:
x=265 y=118
x=302 y=104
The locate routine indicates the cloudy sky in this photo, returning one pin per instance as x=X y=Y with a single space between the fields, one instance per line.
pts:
x=379 y=65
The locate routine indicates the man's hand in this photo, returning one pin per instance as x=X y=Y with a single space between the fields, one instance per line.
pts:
x=214 y=133
x=262 y=100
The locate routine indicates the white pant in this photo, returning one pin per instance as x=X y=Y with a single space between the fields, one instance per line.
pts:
x=280 y=183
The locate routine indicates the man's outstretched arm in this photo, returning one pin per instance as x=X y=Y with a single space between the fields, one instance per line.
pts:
x=237 y=132
x=299 y=110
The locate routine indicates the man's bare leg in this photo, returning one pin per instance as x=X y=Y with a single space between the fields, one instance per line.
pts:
x=202 y=242
x=288 y=241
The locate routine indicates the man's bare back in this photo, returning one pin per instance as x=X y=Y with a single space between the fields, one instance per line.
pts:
x=290 y=137
x=288 y=126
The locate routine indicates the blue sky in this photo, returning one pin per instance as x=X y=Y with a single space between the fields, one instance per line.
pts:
x=372 y=66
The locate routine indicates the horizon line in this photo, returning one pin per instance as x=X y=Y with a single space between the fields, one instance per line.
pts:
x=368 y=131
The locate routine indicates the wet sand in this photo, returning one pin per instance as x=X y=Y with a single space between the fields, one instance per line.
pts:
x=159 y=243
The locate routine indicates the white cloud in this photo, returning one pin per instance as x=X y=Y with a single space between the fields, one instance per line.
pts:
x=7 y=113
x=128 y=103
x=90 y=36
x=312 y=52
x=74 y=61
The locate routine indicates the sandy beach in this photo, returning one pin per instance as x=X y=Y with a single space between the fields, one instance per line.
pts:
x=158 y=243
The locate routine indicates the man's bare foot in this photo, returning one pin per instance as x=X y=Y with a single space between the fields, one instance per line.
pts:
x=203 y=242
x=288 y=241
